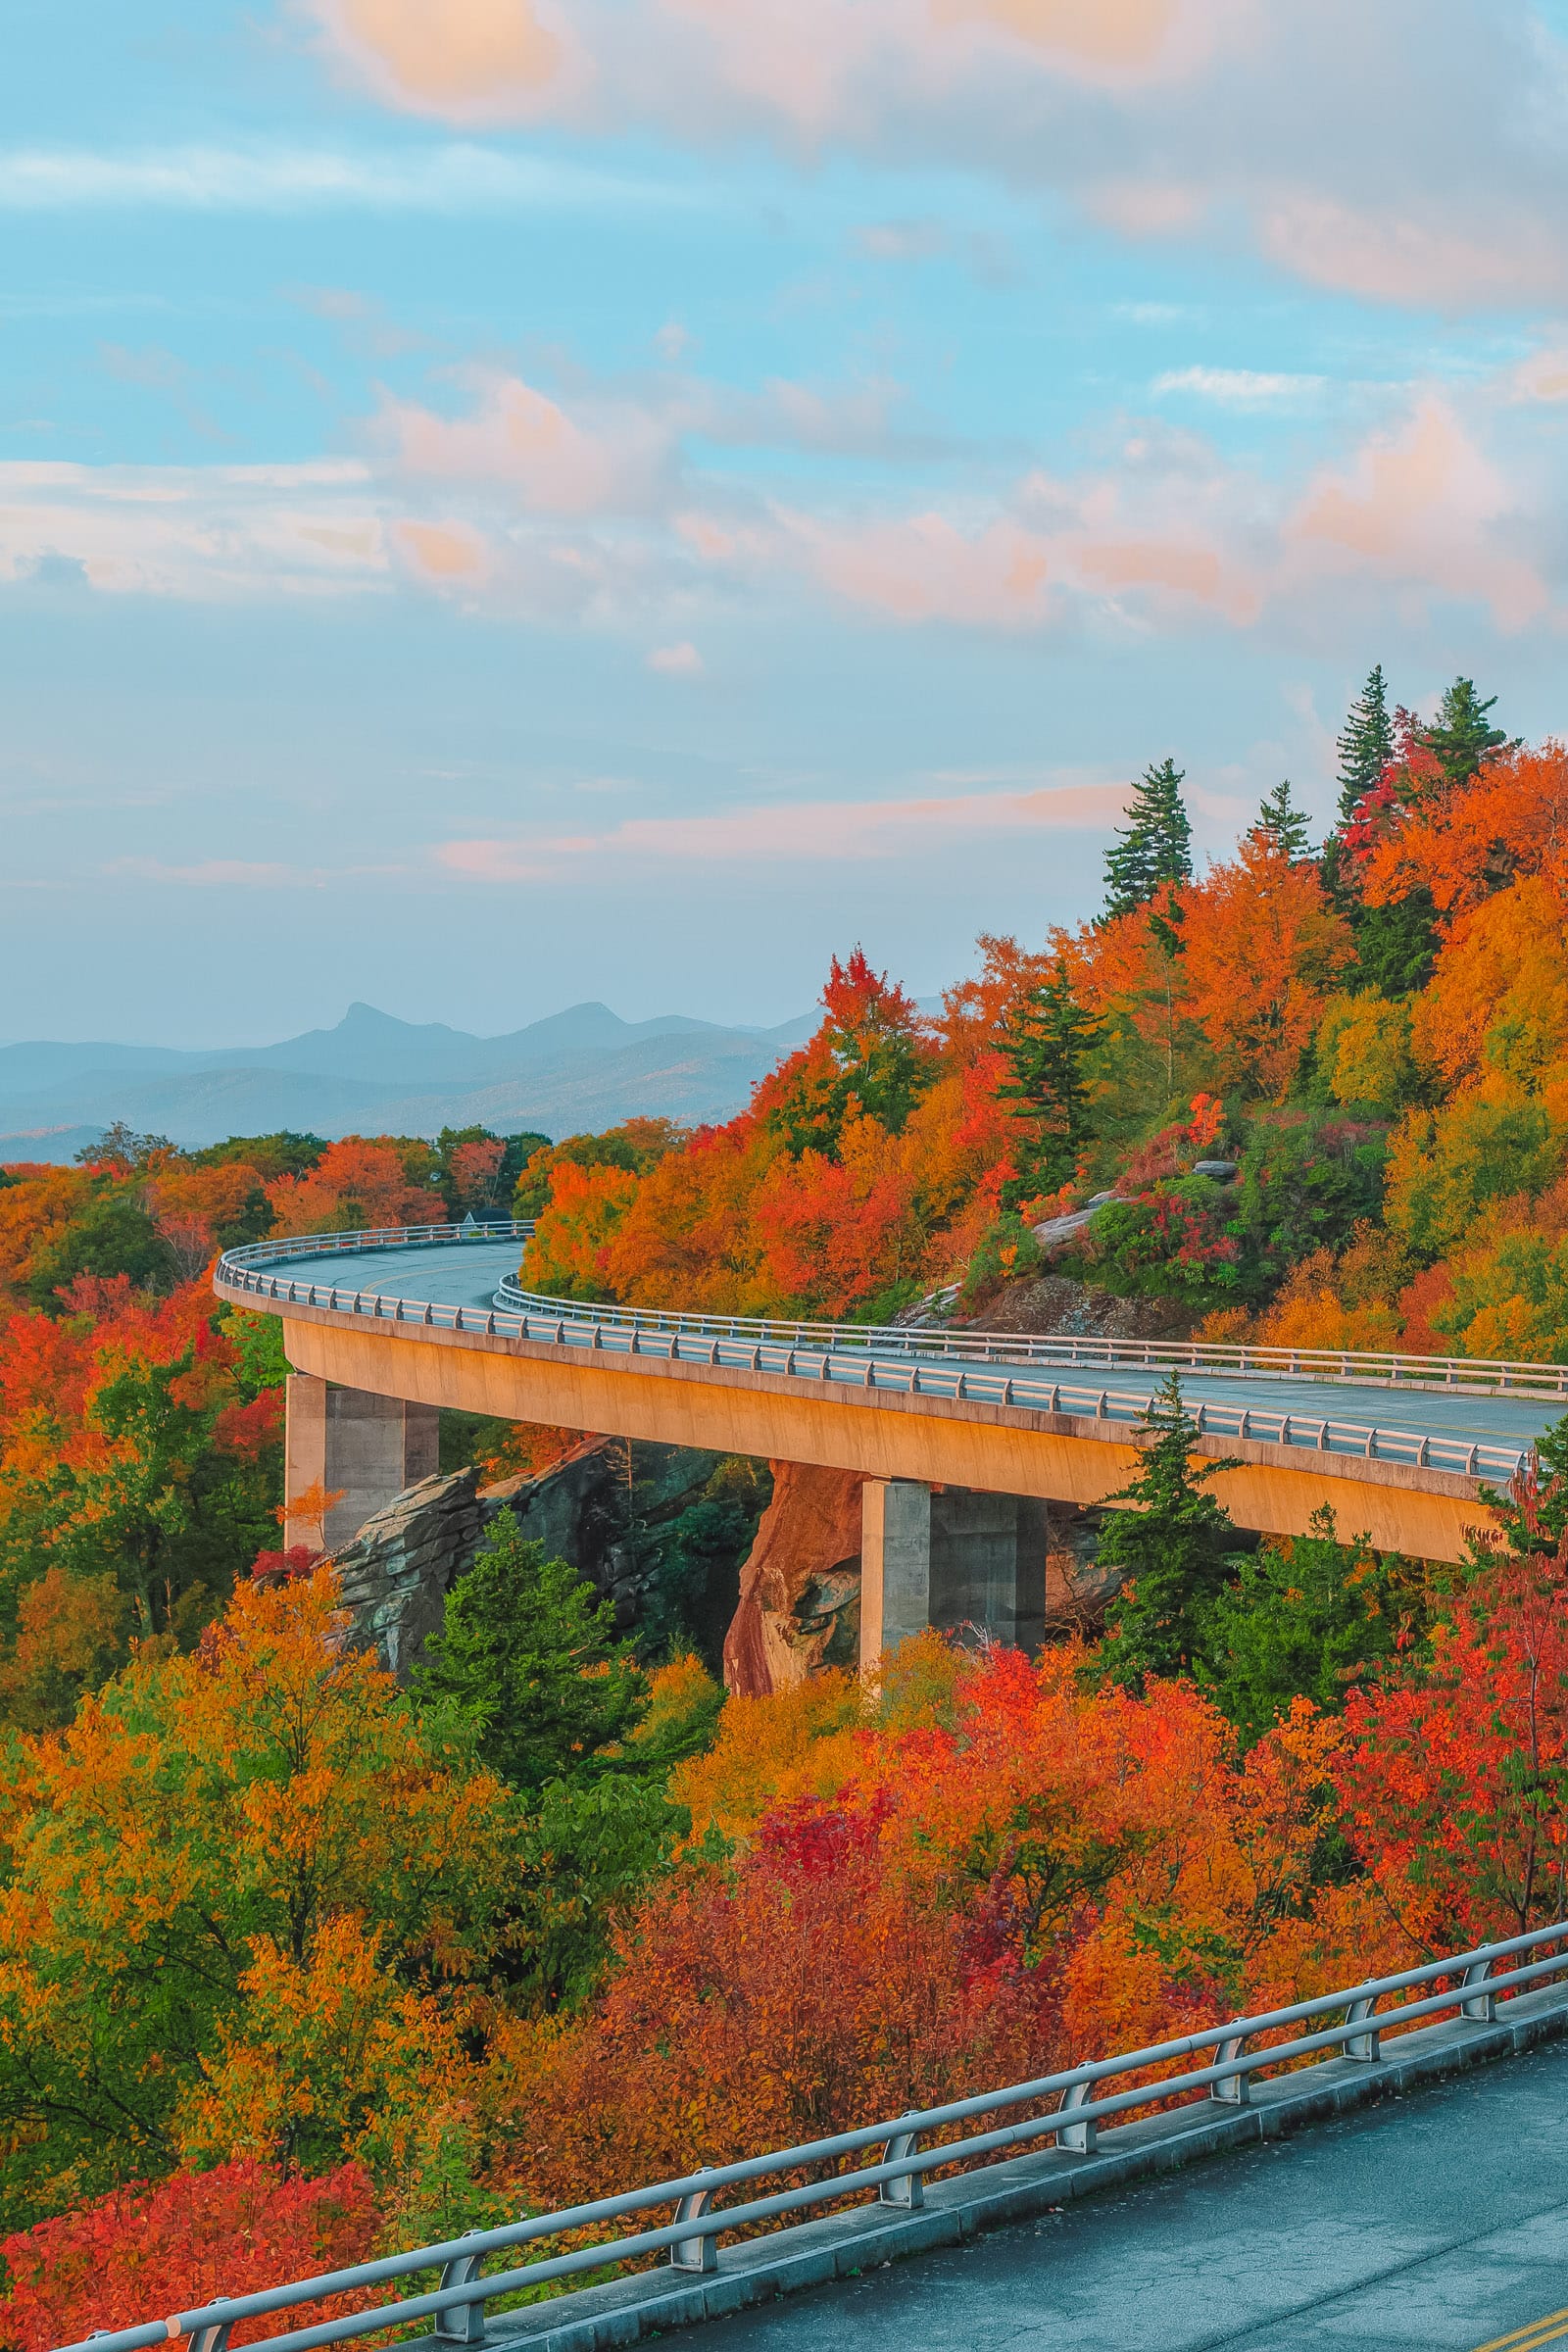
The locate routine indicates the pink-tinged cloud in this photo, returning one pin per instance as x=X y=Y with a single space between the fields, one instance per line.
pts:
x=802 y=832
x=515 y=436
x=1123 y=34
x=466 y=60
x=1188 y=570
x=928 y=567
x=1425 y=504
x=443 y=552
x=681 y=660
x=1542 y=376
x=1490 y=254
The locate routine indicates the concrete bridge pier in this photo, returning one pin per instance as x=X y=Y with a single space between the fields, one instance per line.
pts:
x=364 y=1447
x=944 y=1556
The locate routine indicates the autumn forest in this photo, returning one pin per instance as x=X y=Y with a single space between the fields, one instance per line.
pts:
x=299 y=1963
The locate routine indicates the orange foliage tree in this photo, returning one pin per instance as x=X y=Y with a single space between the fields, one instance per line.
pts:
x=359 y=1181
x=1262 y=951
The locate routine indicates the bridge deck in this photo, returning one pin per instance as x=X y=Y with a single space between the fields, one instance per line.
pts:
x=1437 y=2222
x=467 y=1274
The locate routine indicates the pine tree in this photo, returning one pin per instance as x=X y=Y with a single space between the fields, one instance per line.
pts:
x=1365 y=745
x=1178 y=1547
x=1459 y=737
x=1284 y=824
x=1044 y=1043
x=527 y=1651
x=1155 y=847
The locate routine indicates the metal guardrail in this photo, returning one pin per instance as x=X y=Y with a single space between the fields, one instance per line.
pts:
x=980 y=1367
x=1081 y=2100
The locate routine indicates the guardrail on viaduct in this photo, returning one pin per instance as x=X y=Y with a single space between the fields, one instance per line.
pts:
x=1005 y=1369
x=1219 y=2066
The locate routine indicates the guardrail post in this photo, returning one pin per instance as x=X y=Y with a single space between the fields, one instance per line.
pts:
x=695 y=2253
x=1368 y=2046
x=461 y=2322
x=1481 y=2006
x=908 y=2191
x=206 y=2340
x=1083 y=2139
x=1232 y=2090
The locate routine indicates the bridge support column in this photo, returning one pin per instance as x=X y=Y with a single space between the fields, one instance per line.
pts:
x=944 y=1556
x=368 y=1447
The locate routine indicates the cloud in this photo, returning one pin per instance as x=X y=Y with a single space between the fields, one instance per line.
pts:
x=1542 y=376
x=1236 y=387
x=221 y=873
x=608 y=456
x=449 y=178
x=681 y=660
x=442 y=552
x=1434 y=173
x=603 y=507
x=1486 y=253
x=929 y=567
x=495 y=60
x=196 y=531
x=798 y=832
x=1426 y=504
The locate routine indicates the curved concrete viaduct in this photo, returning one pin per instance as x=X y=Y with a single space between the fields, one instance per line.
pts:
x=400 y=1325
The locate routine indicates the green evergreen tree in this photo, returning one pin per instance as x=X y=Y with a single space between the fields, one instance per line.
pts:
x=529 y=1652
x=1043 y=1042
x=1539 y=1523
x=1177 y=1546
x=1307 y=1617
x=1365 y=744
x=1459 y=737
x=1284 y=824
x=1155 y=847
x=1395 y=945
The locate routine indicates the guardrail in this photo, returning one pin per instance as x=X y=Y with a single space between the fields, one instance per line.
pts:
x=1081 y=2101
x=979 y=1367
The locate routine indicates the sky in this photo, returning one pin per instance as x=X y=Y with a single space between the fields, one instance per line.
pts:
x=504 y=502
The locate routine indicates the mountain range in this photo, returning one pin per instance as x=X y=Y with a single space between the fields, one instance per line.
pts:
x=584 y=1069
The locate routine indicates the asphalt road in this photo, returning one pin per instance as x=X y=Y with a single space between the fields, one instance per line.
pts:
x=1437 y=2222
x=468 y=1273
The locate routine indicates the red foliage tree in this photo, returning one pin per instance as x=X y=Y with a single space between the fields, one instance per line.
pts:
x=147 y=2249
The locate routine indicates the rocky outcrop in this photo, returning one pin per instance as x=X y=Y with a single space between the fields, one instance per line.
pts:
x=404 y=1560
x=1054 y=1302
x=395 y=1574
x=579 y=1510
x=1078 y=1588
x=800 y=1605
x=606 y=1513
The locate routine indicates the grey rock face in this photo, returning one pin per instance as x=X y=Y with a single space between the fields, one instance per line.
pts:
x=396 y=1573
x=404 y=1560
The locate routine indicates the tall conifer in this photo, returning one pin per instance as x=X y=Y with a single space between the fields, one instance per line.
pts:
x=1286 y=825
x=1459 y=737
x=1155 y=847
x=1043 y=1042
x=1366 y=743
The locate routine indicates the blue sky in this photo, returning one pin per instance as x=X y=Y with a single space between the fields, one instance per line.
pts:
x=505 y=501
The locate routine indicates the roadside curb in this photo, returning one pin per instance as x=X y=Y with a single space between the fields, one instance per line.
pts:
x=862 y=2237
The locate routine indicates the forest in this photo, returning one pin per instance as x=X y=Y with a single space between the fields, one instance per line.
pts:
x=297 y=1964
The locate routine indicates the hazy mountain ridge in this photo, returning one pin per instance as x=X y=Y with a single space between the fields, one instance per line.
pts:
x=581 y=1068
